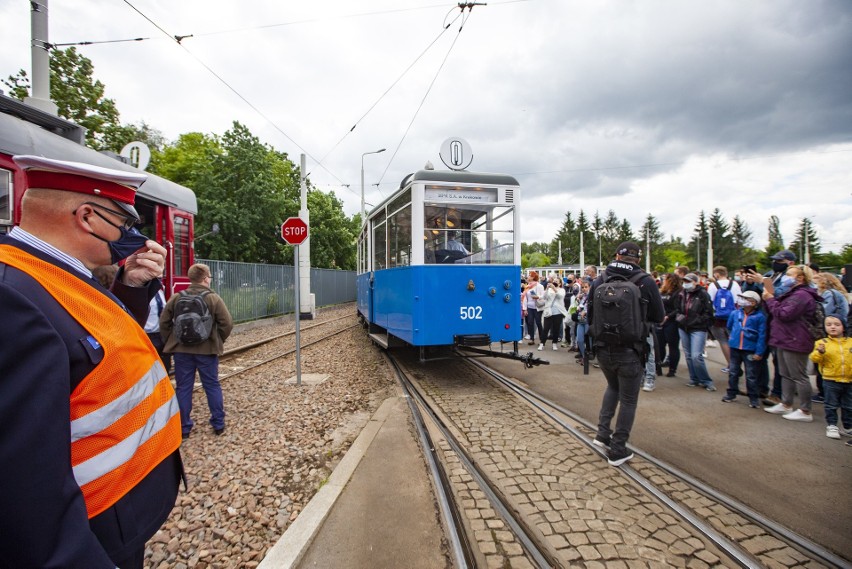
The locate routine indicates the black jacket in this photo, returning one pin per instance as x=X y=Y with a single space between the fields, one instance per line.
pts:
x=695 y=310
x=647 y=286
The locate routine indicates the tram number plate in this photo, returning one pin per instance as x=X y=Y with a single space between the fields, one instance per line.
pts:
x=470 y=312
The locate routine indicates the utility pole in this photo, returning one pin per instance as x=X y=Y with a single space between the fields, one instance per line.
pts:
x=710 y=250
x=41 y=59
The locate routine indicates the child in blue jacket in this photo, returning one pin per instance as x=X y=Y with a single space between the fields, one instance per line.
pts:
x=747 y=327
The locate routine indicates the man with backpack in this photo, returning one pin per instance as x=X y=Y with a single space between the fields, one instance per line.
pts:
x=624 y=302
x=194 y=325
x=722 y=293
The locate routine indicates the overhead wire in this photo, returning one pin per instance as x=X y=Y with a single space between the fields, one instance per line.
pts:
x=177 y=40
x=429 y=89
x=382 y=96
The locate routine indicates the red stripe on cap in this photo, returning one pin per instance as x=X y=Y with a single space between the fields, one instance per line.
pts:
x=81 y=184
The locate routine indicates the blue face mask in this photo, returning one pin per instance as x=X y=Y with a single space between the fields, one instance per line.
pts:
x=131 y=240
x=787 y=281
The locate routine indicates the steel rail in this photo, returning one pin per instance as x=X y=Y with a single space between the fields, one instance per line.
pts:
x=744 y=558
x=538 y=557
x=460 y=545
x=244 y=347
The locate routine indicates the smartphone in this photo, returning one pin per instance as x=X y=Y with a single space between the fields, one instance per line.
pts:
x=748 y=268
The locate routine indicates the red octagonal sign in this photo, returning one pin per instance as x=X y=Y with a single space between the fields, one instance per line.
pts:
x=294 y=231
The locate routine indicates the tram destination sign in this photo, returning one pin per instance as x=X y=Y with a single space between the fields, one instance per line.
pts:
x=294 y=231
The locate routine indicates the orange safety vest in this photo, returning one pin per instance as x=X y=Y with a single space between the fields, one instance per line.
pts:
x=124 y=414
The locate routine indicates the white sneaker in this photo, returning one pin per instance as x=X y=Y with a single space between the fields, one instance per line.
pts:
x=540 y=347
x=527 y=337
x=648 y=387
x=832 y=432
x=555 y=347
x=799 y=415
x=779 y=409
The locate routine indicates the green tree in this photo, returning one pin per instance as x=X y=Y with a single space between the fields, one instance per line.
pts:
x=333 y=235
x=806 y=241
x=776 y=240
x=698 y=244
x=534 y=259
x=78 y=96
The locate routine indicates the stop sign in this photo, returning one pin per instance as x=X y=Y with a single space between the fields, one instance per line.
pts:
x=294 y=231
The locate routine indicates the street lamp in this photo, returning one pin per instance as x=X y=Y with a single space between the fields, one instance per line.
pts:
x=363 y=211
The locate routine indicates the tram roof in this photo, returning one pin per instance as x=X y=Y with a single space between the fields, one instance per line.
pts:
x=19 y=136
x=459 y=176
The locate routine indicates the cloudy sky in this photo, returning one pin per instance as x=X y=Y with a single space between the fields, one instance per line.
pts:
x=661 y=107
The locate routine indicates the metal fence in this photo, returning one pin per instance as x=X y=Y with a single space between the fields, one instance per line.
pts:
x=253 y=291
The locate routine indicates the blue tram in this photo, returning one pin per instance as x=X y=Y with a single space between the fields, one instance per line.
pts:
x=439 y=262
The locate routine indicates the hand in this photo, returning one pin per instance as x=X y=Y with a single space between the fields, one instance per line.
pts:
x=145 y=264
x=821 y=347
x=756 y=357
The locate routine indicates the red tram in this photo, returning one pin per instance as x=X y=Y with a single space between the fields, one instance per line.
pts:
x=167 y=210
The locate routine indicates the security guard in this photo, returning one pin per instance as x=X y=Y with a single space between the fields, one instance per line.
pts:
x=89 y=421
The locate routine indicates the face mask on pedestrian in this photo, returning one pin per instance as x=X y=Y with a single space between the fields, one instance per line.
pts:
x=787 y=281
x=130 y=240
x=688 y=286
x=779 y=267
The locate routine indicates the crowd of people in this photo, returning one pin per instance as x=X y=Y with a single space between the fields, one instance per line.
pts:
x=775 y=330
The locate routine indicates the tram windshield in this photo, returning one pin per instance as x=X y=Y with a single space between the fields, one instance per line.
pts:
x=468 y=233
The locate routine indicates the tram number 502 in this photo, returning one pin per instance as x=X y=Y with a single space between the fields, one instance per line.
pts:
x=470 y=312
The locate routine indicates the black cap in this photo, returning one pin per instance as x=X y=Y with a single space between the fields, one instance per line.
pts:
x=629 y=249
x=784 y=255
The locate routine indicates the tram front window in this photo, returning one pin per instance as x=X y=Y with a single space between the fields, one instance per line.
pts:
x=473 y=234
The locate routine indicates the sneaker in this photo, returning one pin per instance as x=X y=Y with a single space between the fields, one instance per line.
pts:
x=184 y=436
x=531 y=343
x=555 y=348
x=618 y=459
x=540 y=347
x=671 y=373
x=596 y=364
x=728 y=398
x=527 y=337
x=849 y=443
x=601 y=443
x=219 y=431
x=710 y=387
x=704 y=355
x=755 y=404
x=563 y=345
x=817 y=399
x=772 y=400
x=648 y=386
x=799 y=415
x=779 y=409
x=692 y=384
x=726 y=370
x=832 y=432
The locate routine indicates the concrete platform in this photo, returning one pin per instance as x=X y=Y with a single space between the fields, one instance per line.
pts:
x=377 y=509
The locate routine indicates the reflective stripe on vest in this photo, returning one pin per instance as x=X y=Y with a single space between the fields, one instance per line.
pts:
x=124 y=414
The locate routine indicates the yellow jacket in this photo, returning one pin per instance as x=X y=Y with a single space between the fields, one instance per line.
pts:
x=836 y=363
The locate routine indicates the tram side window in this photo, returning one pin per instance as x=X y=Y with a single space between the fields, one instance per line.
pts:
x=6 y=197
x=181 y=226
x=399 y=238
x=380 y=244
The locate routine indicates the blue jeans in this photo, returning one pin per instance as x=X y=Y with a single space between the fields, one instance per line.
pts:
x=838 y=395
x=752 y=369
x=534 y=323
x=582 y=328
x=651 y=363
x=208 y=369
x=693 y=348
x=623 y=370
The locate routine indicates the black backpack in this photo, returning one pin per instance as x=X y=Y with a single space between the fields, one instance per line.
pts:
x=619 y=312
x=192 y=319
x=816 y=324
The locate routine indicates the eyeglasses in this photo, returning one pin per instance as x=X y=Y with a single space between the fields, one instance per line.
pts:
x=129 y=220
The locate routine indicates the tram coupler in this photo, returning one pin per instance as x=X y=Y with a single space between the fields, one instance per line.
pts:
x=529 y=360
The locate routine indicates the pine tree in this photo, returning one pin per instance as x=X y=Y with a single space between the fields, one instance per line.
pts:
x=698 y=244
x=806 y=244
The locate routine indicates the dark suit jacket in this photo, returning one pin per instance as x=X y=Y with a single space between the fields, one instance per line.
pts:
x=43 y=357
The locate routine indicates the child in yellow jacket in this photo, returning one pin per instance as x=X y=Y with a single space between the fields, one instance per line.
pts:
x=833 y=355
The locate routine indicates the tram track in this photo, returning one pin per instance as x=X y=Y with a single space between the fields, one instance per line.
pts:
x=658 y=478
x=226 y=359
x=461 y=545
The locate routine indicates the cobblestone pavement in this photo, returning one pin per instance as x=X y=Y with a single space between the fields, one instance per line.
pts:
x=587 y=513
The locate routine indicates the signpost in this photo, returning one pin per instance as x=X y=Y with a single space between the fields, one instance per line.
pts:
x=294 y=231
